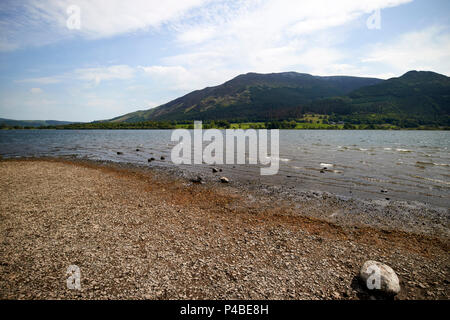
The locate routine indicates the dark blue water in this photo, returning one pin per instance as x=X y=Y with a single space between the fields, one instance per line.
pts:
x=412 y=165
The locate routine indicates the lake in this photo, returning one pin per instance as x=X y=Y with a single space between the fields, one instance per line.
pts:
x=410 y=165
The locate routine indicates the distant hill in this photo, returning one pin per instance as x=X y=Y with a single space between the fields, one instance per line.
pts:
x=416 y=98
x=421 y=93
x=31 y=123
x=252 y=96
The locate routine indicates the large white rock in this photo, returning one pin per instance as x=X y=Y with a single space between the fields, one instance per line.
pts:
x=379 y=277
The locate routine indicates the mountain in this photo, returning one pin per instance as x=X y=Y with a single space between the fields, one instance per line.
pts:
x=415 y=98
x=31 y=123
x=252 y=96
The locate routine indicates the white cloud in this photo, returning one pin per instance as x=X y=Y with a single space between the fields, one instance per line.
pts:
x=41 y=80
x=36 y=90
x=197 y=35
x=175 y=71
x=179 y=77
x=428 y=49
x=271 y=21
x=42 y=22
x=36 y=23
x=103 y=18
x=225 y=38
x=93 y=75
x=105 y=73
x=219 y=39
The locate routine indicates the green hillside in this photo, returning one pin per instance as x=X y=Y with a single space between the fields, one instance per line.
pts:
x=253 y=97
x=416 y=98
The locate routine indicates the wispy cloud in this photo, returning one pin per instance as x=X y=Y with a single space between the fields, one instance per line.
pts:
x=41 y=80
x=177 y=77
x=105 y=73
x=427 y=49
x=36 y=90
x=225 y=38
x=36 y=23
x=93 y=75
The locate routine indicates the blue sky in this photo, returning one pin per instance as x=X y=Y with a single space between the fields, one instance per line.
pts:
x=134 y=55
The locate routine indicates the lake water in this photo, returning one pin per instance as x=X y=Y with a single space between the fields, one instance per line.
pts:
x=410 y=165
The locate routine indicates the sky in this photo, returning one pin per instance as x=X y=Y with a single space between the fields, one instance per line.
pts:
x=85 y=60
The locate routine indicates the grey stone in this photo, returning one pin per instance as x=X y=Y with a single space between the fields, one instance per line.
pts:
x=379 y=277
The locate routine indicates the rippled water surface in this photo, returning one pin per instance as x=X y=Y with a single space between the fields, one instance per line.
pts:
x=411 y=165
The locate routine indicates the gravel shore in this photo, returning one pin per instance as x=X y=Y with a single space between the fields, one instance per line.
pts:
x=150 y=234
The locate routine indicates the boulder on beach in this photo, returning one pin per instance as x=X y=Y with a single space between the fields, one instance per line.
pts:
x=224 y=180
x=380 y=278
x=163 y=158
x=215 y=170
x=118 y=152
x=151 y=159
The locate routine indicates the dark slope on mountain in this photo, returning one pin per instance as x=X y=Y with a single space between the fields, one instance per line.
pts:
x=415 y=92
x=252 y=96
x=419 y=95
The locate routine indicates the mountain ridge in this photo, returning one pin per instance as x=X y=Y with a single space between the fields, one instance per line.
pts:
x=243 y=91
x=416 y=97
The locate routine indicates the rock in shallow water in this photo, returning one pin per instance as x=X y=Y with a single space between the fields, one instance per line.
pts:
x=379 y=277
x=198 y=179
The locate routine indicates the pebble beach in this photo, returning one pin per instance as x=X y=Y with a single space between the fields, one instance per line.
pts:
x=143 y=233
